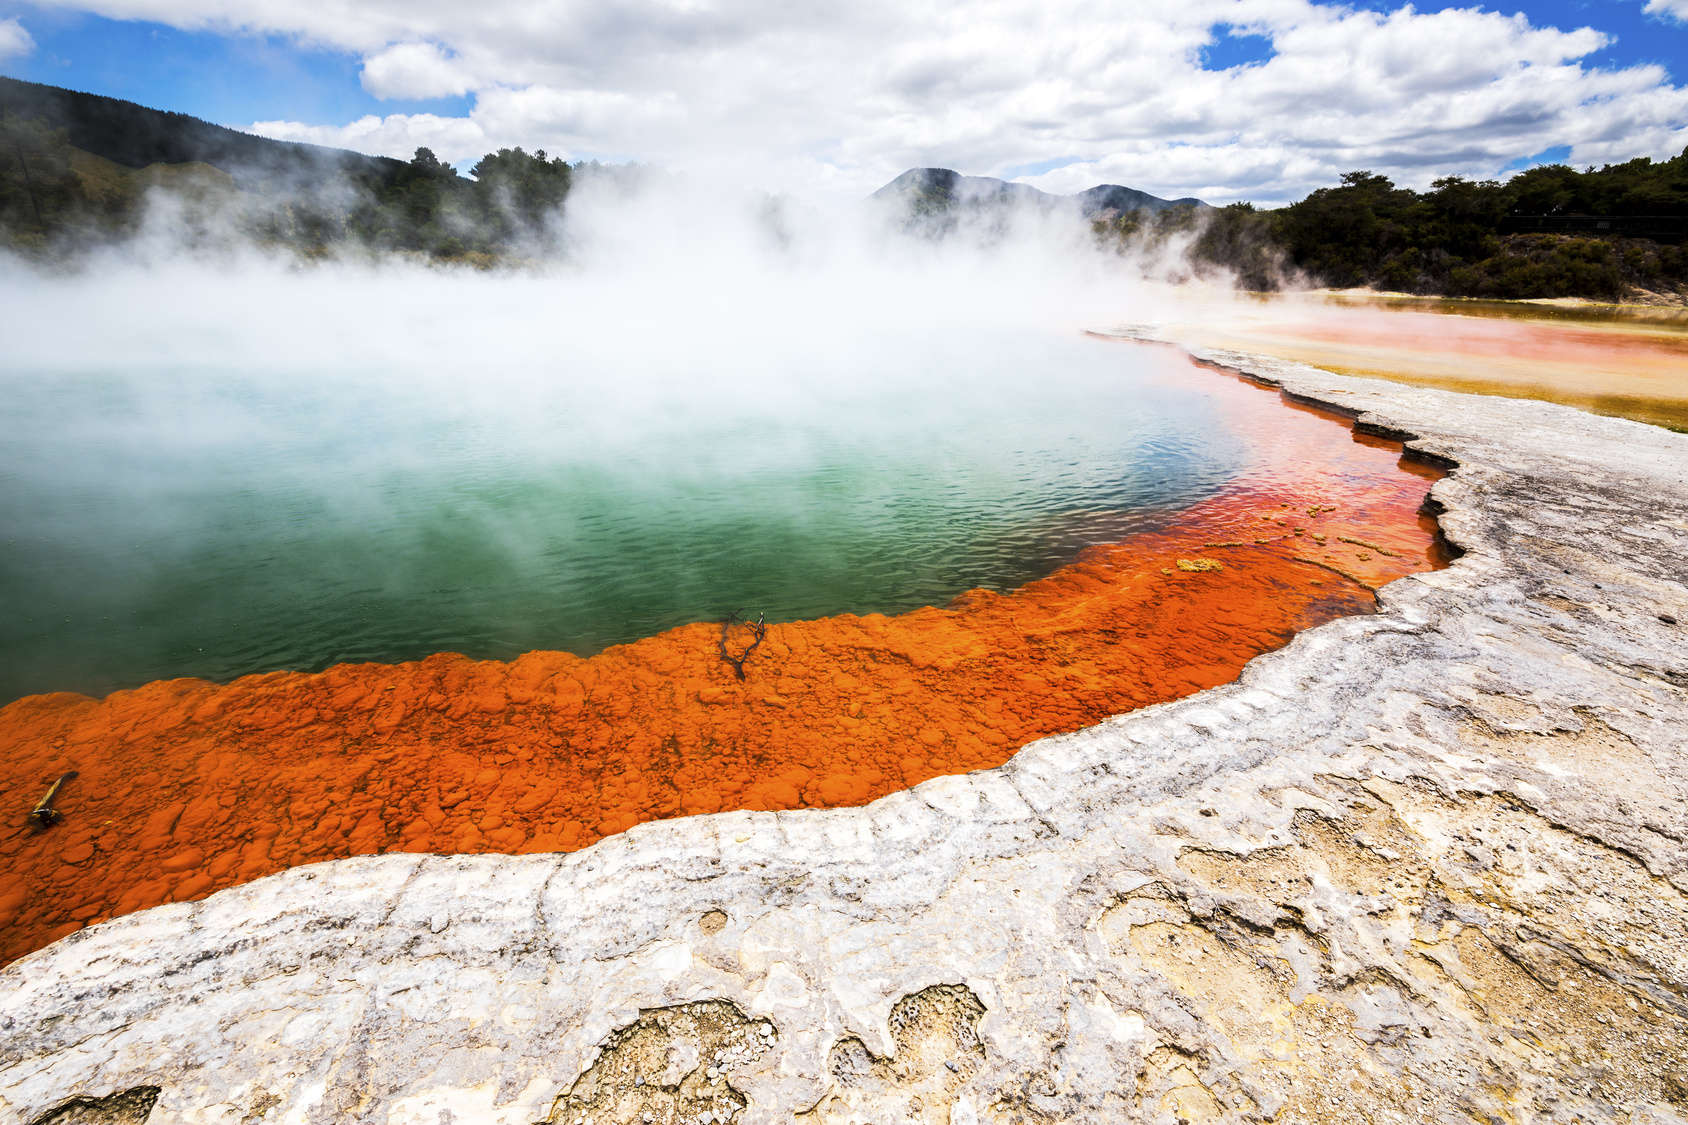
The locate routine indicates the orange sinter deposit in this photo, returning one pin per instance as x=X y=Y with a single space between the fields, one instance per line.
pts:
x=185 y=787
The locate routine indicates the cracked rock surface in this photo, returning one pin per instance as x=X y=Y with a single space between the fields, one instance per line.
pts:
x=1430 y=865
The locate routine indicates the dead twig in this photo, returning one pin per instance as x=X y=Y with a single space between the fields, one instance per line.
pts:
x=758 y=630
x=44 y=815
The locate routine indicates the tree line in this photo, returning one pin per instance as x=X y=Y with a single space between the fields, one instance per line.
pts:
x=1462 y=238
x=427 y=207
x=76 y=170
x=56 y=197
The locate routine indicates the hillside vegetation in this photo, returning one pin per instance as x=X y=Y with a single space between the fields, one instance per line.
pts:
x=1550 y=231
x=76 y=170
x=79 y=169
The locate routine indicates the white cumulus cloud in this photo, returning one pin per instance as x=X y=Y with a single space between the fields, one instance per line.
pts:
x=1677 y=9
x=832 y=100
x=415 y=70
x=397 y=134
x=14 y=40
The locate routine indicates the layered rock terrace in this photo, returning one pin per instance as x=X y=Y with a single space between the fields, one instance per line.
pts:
x=1425 y=865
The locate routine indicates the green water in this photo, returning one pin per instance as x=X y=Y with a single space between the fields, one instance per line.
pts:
x=207 y=521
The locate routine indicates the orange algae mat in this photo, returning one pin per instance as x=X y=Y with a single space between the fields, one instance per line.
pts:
x=186 y=787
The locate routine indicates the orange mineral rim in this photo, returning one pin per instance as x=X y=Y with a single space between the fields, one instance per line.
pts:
x=186 y=787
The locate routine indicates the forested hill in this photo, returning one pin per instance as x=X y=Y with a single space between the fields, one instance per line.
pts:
x=76 y=170
x=135 y=136
x=1551 y=231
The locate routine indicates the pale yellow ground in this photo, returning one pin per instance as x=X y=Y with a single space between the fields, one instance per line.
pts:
x=1628 y=361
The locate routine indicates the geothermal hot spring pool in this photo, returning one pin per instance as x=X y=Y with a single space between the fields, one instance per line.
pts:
x=215 y=523
x=321 y=586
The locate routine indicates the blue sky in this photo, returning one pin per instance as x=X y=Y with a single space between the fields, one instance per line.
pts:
x=1256 y=99
x=1638 y=37
x=242 y=78
x=1641 y=38
x=228 y=79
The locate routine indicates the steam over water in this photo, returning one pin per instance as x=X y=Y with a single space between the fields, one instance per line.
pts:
x=217 y=471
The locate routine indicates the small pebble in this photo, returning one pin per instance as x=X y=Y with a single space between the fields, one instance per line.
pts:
x=951 y=1065
x=1667 y=619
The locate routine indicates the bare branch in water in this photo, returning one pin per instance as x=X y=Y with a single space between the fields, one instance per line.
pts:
x=758 y=629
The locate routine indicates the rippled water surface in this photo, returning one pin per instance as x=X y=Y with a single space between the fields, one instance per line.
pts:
x=208 y=521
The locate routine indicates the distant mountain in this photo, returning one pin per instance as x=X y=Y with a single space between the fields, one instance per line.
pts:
x=932 y=191
x=943 y=186
x=135 y=136
x=1112 y=197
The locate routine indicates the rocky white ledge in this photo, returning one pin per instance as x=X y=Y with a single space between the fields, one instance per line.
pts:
x=1423 y=866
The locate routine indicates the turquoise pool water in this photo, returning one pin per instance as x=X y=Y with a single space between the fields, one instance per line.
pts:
x=214 y=519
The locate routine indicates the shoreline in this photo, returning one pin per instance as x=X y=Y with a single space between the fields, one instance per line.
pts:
x=187 y=787
x=1673 y=309
x=1607 y=360
x=1430 y=862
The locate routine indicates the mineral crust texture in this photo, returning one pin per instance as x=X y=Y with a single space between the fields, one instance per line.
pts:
x=1429 y=865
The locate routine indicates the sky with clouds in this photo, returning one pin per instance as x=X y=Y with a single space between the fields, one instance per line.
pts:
x=1223 y=99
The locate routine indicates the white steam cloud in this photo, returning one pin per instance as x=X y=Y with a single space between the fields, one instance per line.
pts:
x=413 y=443
x=685 y=257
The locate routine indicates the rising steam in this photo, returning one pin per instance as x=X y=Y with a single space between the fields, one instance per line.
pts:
x=225 y=459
